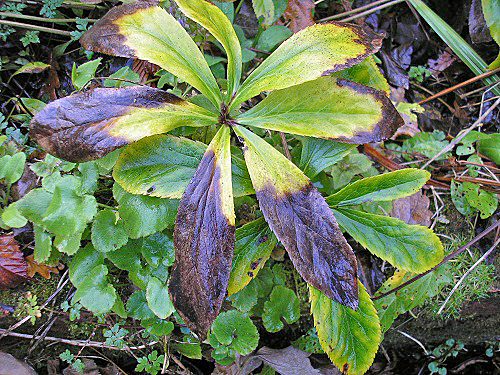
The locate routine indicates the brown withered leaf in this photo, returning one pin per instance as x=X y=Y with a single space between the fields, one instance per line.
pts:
x=79 y=127
x=413 y=209
x=42 y=269
x=444 y=60
x=204 y=241
x=12 y=264
x=299 y=13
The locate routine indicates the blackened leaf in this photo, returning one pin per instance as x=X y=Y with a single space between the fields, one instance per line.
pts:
x=90 y=124
x=327 y=108
x=204 y=239
x=148 y=32
x=299 y=216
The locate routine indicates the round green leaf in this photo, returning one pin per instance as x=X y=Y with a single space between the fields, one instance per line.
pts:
x=489 y=145
x=85 y=260
x=108 y=233
x=95 y=292
x=15 y=167
x=158 y=298
x=137 y=306
x=127 y=257
x=43 y=245
x=12 y=217
x=283 y=304
x=237 y=330
x=349 y=338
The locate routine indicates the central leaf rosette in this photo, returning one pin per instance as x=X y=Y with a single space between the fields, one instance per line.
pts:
x=304 y=99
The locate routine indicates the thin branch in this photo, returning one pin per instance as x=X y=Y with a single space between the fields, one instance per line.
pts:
x=364 y=7
x=35 y=27
x=285 y=146
x=43 y=19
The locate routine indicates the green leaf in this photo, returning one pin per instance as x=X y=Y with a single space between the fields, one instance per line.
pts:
x=327 y=108
x=282 y=304
x=319 y=154
x=43 y=245
x=90 y=174
x=309 y=342
x=73 y=129
x=253 y=246
x=309 y=54
x=128 y=257
x=85 y=260
x=158 y=249
x=108 y=233
x=484 y=201
x=137 y=306
x=33 y=67
x=158 y=299
x=489 y=146
x=412 y=295
x=264 y=9
x=68 y=244
x=144 y=215
x=204 y=239
x=349 y=338
x=491 y=12
x=271 y=37
x=14 y=167
x=459 y=199
x=84 y=73
x=12 y=217
x=187 y=349
x=158 y=327
x=33 y=205
x=246 y=298
x=214 y=20
x=163 y=165
x=384 y=187
x=410 y=247
x=300 y=218
x=237 y=330
x=149 y=33
x=366 y=73
x=124 y=73
x=95 y=293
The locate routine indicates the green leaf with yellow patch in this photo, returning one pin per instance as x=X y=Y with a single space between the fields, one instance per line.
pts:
x=410 y=247
x=88 y=125
x=300 y=218
x=327 y=108
x=252 y=248
x=309 y=54
x=204 y=239
x=148 y=32
x=384 y=187
x=349 y=338
x=215 y=21
x=162 y=166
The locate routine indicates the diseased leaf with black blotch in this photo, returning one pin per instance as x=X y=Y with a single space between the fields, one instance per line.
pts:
x=204 y=239
x=90 y=124
x=143 y=30
x=299 y=216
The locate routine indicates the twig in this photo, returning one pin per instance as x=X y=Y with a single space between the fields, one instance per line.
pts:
x=285 y=146
x=343 y=14
x=35 y=27
x=373 y=10
x=96 y=344
x=446 y=259
x=415 y=340
x=42 y=19
x=458 y=138
x=485 y=255
x=452 y=110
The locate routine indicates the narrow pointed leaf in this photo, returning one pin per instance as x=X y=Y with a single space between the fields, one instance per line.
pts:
x=215 y=21
x=253 y=247
x=148 y=32
x=409 y=247
x=88 y=125
x=349 y=338
x=327 y=108
x=315 y=51
x=162 y=166
x=204 y=239
x=319 y=154
x=384 y=187
x=299 y=216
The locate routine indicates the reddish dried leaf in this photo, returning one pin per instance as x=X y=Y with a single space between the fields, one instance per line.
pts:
x=444 y=60
x=299 y=13
x=413 y=209
x=12 y=263
x=42 y=269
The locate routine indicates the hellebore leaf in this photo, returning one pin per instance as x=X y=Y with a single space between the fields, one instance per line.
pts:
x=162 y=166
x=299 y=216
x=384 y=187
x=144 y=215
x=90 y=124
x=319 y=154
x=282 y=304
x=409 y=247
x=204 y=239
x=349 y=338
x=313 y=52
x=327 y=108
x=108 y=234
x=253 y=246
x=235 y=329
x=366 y=73
x=148 y=32
x=215 y=21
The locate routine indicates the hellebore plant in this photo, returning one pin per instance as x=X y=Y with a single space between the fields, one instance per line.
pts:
x=304 y=99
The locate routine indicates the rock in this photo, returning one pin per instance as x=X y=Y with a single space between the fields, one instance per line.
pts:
x=12 y=366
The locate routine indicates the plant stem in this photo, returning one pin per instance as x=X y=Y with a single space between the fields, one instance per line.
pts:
x=238 y=7
x=371 y=8
x=42 y=19
x=106 y=206
x=35 y=27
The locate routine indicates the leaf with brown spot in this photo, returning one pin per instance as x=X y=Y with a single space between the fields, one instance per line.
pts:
x=42 y=269
x=204 y=239
x=299 y=216
x=300 y=14
x=90 y=124
x=12 y=264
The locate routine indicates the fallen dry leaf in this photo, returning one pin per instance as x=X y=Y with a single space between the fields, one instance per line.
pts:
x=444 y=60
x=413 y=209
x=12 y=264
x=299 y=13
x=42 y=269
